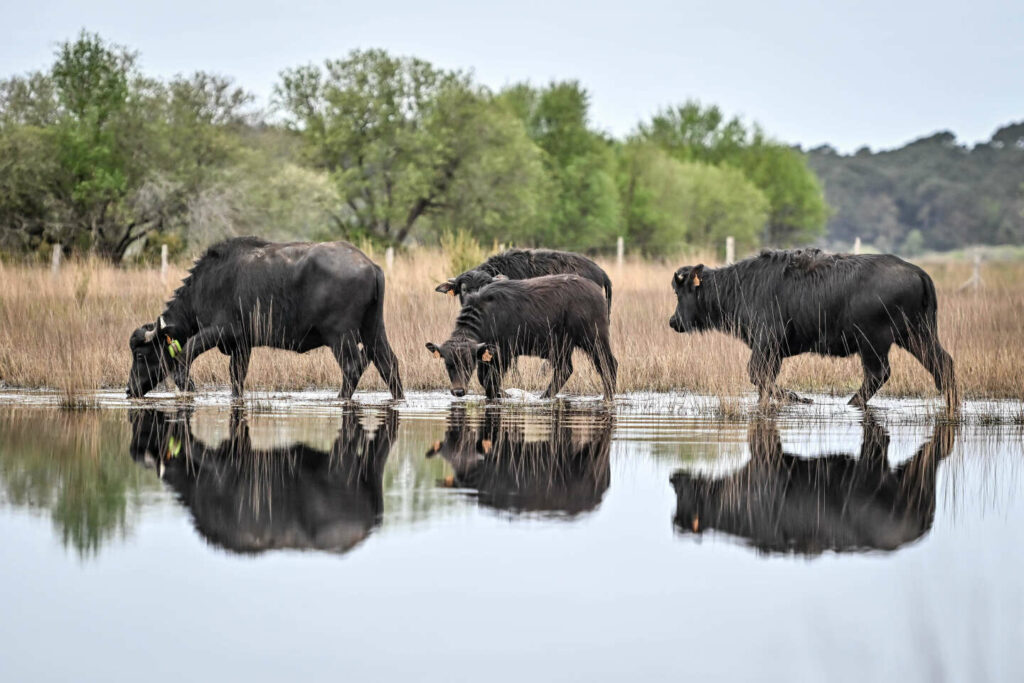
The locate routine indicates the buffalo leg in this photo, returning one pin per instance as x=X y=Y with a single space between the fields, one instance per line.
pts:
x=375 y=340
x=198 y=344
x=606 y=365
x=353 y=361
x=239 y=369
x=561 y=366
x=936 y=360
x=386 y=362
x=876 y=373
x=490 y=380
x=763 y=368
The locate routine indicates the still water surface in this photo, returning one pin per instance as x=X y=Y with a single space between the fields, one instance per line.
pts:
x=548 y=541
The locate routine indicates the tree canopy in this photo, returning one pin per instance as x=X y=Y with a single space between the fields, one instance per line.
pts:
x=98 y=157
x=796 y=204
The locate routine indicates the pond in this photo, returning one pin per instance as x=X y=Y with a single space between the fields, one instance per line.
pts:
x=663 y=537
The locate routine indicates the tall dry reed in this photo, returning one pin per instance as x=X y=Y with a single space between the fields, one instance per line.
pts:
x=70 y=333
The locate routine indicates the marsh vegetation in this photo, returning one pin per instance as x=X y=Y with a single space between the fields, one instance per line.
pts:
x=70 y=333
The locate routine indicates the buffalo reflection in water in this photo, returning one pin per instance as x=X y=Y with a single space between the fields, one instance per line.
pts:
x=783 y=503
x=556 y=469
x=250 y=500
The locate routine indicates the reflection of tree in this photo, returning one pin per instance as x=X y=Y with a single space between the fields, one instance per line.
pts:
x=248 y=499
x=557 y=466
x=73 y=465
x=779 y=502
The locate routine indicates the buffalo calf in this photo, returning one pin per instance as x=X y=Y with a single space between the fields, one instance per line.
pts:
x=547 y=317
x=784 y=303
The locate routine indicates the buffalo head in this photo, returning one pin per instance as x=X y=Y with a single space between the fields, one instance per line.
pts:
x=154 y=352
x=460 y=357
x=467 y=283
x=686 y=283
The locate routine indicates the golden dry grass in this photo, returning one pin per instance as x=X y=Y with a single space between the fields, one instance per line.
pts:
x=70 y=333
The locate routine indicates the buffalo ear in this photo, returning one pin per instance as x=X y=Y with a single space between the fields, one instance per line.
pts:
x=484 y=353
x=435 y=448
x=446 y=288
x=696 y=274
x=434 y=349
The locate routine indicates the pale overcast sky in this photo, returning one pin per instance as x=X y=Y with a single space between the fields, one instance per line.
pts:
x=850 y=73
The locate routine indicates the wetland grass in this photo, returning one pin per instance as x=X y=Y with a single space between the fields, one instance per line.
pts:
x=69 y=333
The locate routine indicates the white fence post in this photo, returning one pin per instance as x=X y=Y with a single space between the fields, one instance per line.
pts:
x=163 y=263
x=620 y=251
x=856 y=245
x=730 y=250
x=975 y=281
x=389 y=258
x=55 y=261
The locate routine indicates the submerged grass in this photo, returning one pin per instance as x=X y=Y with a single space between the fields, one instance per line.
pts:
x=70 y=333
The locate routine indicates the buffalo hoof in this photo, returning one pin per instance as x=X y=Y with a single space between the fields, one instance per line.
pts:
x=794 y=397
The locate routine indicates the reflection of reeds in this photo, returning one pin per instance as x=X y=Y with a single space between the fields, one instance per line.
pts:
x=71 y=332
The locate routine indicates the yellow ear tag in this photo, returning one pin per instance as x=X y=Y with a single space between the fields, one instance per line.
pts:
x=486 y=445
x=173 y=346
x=173 y=447
x=437 y=354
x=437 y=446
x=696 y=281
x=451 y=292
x=487 y=356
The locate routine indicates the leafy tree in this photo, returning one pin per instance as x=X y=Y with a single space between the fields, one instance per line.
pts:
x=670 y=204
x=690 y=132
x=914 y=244
x=97 y=157
x=583 y=211
x=393 y=133
x=797 y=211
x=100 y=141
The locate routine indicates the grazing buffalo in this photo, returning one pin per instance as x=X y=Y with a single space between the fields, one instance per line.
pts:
x=251 y=500
x=561 y=469
x=783 y=503
x=522 y=264
x=784 y=303
x=247 y=292
x=546 y=316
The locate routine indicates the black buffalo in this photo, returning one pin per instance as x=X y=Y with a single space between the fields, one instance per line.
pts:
x=784 y=303
x=248 y=292
x=783 y=503
x=546 y=316
x=521 y=264
x=512 y=466
x=250 y=500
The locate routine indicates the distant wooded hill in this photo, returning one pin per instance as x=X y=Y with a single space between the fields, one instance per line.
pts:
x=932 y=193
